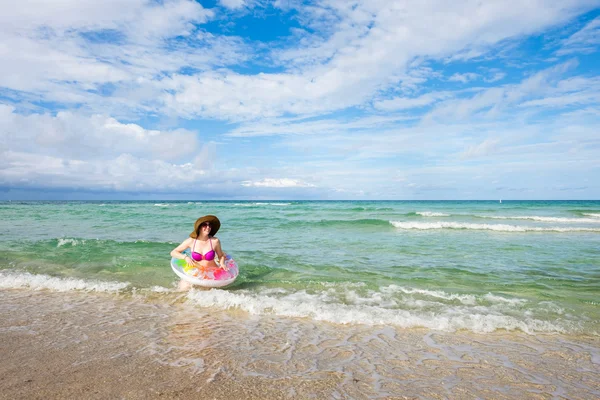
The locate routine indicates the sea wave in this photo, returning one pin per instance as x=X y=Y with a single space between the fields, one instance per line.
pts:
x=261 y=204
x=463 y=298
x=66 y=241
x=364 y=222
x=431 y=214
x=593 y=215
x=487 y=227
x=481 y=314
x=20 y=280
x=542 y=219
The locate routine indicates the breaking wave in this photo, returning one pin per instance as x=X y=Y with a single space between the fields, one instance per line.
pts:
x=486 y=227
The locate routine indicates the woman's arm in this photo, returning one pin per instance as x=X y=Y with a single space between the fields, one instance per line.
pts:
x=220 y=254
x=177 y=252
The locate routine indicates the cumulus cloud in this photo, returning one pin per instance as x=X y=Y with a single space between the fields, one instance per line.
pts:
x=74 y=53
x=358 y=50
x=233 y=4
x=352 y=83
x=349 y=53
x=97 y=152
x=122 y=173
x=68 y=134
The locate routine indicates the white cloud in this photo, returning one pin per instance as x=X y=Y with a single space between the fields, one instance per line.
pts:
x=494 y=100
x=119 y=62
x=137 y=18
x=464 y=78
x=497 y=76
x=71 y=135
x=70 y=53
x=233 y=4
x=484 y=148
x=585 y=40
x=358 y=50
x=277 y=183
x=322 y=127
x=122 y=173
x=402 y=103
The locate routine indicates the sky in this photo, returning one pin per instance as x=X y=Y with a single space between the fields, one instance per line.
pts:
x=291 y=99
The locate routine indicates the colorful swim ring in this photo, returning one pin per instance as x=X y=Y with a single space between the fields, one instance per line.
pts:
x=211 y=278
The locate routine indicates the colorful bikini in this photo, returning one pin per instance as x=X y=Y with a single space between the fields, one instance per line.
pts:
x=209 y=256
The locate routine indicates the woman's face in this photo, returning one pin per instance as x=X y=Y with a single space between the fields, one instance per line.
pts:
x=205 y=228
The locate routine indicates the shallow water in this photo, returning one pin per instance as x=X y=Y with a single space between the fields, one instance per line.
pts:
x=530 y=266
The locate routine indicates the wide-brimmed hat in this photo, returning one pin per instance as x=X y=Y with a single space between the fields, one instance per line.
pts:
x=215 y=224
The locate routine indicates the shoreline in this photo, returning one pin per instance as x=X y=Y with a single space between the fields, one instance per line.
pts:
x=73 y=344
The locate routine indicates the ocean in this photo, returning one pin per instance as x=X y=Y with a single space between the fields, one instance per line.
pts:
x=475 y=269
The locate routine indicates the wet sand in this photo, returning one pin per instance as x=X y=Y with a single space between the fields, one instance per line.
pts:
x=98 y=346
x=71 y=345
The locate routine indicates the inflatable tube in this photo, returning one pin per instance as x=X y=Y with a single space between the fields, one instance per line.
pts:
x=211 y=278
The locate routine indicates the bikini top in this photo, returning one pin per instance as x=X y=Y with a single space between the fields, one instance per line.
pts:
x=209 y=256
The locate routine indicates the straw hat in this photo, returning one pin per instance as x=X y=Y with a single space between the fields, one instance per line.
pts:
x=215 y=224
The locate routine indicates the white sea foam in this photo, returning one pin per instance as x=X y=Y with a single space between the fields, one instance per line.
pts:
x=344 y=284
x=16 y=280
x=487 y=227
x=499 y=299
x=72 y=242
x=261 y=204
x=432 y=214
x=160 y=289
x=463 y=298
x=593 y=215
x=542 y=219
x=165 y=205
x=321 y=307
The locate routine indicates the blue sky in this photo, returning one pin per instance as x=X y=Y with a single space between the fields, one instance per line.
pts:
x=286 y=99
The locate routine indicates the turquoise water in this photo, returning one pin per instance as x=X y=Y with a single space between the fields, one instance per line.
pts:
x=532 y=266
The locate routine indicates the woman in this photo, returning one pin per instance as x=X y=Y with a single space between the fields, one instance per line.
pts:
x=205 y=247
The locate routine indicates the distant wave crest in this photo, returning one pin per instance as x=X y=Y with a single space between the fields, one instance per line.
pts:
x=432 y=214
x=261 y=204
x=542 y=219
x=486 y=227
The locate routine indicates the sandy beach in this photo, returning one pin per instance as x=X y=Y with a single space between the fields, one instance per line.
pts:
x=84 y=345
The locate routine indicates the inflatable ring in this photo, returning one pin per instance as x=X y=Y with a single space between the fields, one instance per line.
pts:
x=211 y=278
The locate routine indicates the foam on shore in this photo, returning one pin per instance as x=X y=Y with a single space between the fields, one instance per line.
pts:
x=20 y=280
x=393 y=305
